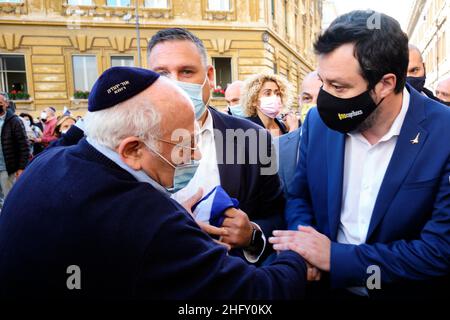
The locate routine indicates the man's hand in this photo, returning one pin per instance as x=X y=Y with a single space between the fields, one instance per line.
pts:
x=313 y=246
x=313 y=274
x=239 y=228
x=209 y=229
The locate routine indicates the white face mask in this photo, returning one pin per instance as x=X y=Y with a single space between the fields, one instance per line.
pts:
x=43 y=115
x=195 y=92
x=270 y=106
x=64 y=131
x=237 y=111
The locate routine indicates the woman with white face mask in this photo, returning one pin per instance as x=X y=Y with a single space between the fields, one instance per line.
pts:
x=263 y=98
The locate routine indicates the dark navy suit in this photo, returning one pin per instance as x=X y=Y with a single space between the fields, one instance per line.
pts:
x=75 y=207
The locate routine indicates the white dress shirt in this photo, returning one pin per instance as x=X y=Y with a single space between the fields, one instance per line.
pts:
x=207 y=175
x=364 y=168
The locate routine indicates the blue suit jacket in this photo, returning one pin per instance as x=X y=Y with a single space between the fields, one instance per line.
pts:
x=409 y=233
x=288 y=156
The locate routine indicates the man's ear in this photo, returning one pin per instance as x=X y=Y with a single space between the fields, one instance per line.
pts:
x=210 y=74
x=130 y=151
x=386 y=86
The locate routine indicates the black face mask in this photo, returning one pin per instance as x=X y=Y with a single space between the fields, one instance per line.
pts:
x=345 y=115
x=417 y=82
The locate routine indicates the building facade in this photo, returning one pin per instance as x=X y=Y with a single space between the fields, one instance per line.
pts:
x=52 y=51
x=429 y=30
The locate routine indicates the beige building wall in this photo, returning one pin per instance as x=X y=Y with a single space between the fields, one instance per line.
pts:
x=429 y=29
x=258 y=35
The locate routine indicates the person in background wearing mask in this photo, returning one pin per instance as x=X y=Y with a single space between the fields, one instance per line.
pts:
x=48 y=117
x=14 y=149
x=129 y=239
x=416 y=75
x=233 y=97
x=288 y=144
x=308 y=96
x=32 y=131
x=443 y=91
x=63 y=125
x=181 y=56
x=263 y=97
x=372 y=184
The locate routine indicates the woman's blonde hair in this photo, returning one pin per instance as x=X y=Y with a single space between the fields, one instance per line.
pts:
x=253 y=85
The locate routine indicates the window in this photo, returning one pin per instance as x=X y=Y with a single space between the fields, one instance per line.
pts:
x=12 y=73
x=118 y=3
x=12 y=1
x=84 y=72
x=223 y=71
x=122 y=61
x=80 y=2
x=156 y=4
x=219 y=5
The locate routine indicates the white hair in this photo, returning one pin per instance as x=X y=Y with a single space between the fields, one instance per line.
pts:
x=131 y=118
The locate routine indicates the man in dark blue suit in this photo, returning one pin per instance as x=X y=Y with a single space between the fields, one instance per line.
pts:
x=228 y=144
x=103 y=225
x=371 y=195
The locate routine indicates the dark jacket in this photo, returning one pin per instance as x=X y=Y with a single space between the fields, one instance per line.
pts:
x=258 y=121
x=15 y=146
x=128 y=240
x=255 y=184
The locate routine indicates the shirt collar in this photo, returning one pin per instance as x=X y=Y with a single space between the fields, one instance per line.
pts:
x=3 y=116
x=396 y=126
x=208 y=124
x=140 y=176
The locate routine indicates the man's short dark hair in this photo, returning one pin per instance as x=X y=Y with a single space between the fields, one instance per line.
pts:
x=380 y=47
x=172 y=34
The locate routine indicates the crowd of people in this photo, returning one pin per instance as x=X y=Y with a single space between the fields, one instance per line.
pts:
x=23 y=138
x=173 y=199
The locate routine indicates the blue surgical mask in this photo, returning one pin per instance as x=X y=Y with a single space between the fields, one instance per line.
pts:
x=195 y=92
x=237 y=111
x=183 y=172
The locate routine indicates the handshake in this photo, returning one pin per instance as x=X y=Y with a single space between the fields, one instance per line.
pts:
x=313 y=246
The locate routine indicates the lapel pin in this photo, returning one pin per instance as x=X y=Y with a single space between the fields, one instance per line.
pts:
x=416 y=139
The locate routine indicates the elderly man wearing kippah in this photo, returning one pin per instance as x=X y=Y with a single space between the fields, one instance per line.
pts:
x=103 y=224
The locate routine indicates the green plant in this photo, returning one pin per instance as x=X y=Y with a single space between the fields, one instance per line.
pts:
x=18 y=95
x=78 y=94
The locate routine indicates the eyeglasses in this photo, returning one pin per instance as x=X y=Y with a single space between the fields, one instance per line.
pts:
x=192 y=147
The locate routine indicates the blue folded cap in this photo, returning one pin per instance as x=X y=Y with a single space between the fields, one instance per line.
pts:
x=211 y=208
x=118 y=84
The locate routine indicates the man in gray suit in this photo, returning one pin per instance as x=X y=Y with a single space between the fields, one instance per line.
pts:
x=288 y=144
